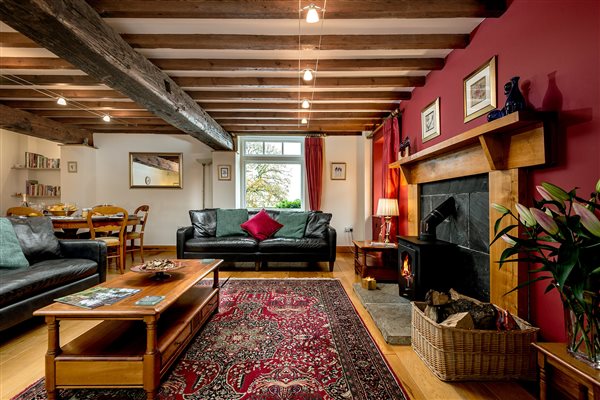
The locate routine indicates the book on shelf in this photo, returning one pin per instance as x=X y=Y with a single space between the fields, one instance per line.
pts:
x=34 y=160
x=97 y=296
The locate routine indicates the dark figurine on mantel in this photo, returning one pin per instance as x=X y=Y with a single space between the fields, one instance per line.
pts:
x=514 y=100
x=405 y=147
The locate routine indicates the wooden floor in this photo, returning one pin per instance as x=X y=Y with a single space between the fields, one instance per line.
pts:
x=22 y=350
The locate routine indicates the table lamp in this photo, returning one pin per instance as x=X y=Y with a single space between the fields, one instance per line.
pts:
x=387 y=208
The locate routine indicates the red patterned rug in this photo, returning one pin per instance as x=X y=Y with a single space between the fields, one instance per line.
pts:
x=293 y=339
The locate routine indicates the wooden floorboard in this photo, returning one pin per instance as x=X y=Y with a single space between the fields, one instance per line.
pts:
x=22 y=350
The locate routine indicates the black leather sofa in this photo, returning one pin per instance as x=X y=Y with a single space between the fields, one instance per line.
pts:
x=200 y=241
x=57 y=268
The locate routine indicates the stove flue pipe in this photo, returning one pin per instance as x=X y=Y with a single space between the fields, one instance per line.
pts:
x=434 y=218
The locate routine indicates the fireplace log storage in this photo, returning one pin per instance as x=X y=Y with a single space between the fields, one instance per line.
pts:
x=424 y=262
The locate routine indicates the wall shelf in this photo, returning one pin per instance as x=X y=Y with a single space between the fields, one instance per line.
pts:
x=514 y=141
x=36 y=169
x=35 y=197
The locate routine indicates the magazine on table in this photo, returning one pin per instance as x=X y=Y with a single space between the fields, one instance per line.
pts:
x=97 y=296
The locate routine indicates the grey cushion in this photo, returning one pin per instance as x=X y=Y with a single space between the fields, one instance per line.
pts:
x=11 y=255
x=36 y=236
x=317 y=224
x=204 y=222
x=294 y=224
x=229 y=221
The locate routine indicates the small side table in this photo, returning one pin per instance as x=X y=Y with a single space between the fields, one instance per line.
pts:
x=384 y=268
x=564 y=376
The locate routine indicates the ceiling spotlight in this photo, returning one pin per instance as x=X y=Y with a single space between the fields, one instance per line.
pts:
x=61 y=101
x=312 y=14
x=308 y=75
x=305 y=103
x=106 y=118
x=304 y=121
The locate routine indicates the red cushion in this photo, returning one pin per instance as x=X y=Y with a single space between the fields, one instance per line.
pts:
x=261 y=226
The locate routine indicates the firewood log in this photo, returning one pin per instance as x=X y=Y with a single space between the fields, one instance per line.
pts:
x=461 y=320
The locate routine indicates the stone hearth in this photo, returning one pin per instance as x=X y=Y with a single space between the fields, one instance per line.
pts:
x=391 y=313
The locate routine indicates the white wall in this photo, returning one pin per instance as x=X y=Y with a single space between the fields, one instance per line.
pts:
x=345 y=198
x=79 y=187
x=224 y=191
x=12 y=152
x=168 y=207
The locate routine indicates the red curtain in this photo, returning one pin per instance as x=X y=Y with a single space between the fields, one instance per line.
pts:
x=313 y=157
x=391 y=147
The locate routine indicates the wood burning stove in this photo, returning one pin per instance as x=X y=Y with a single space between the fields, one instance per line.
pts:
x=424 y=262
x=424 y=265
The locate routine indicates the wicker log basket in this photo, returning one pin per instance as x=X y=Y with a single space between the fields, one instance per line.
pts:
x=454 y=354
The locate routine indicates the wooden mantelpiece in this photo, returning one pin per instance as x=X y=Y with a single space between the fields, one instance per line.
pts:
x=502 y=148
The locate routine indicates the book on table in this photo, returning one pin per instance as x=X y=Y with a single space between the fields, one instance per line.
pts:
x=97 y=296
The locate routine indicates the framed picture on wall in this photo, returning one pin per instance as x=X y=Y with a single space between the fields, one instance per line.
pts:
x=480 y=90
x=338 y=171
x=224 y=172
x=72 y=166
x=430 y=120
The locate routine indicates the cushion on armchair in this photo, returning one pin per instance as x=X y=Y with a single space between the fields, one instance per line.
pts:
x=261 y=226
x=229 y=221
x=11 y=255
x=36 y=237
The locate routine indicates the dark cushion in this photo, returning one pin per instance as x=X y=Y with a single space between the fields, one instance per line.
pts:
x=11 y=255
x=317 y=224
x=231 y=244
x=36 y=236
x=261 y=226
x=294 y=224
x=229 y=221
x=19 y=284
x=204 y=222
x=288 y=245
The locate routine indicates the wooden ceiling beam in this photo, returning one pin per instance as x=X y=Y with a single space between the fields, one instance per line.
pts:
x=30 y=124
x=303 y=132
x=72 y=30
x=293 y=107
x=294 y=121
x=67 y=93
x=272 y=9
x=293 y=96
x=311 y=127
x=290 y=42
x=74 y=113
x=198 y=64
x=241 y=82
x=219 y=115
x=90 y=105
x=114 y=120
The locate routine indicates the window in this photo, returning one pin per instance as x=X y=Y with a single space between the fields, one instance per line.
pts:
x=272 y=172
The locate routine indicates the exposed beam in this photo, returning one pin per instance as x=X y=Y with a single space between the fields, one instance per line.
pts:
x=68 y=93
x=293 y=96
x=91 y=105
x=271 y=9
x=75 y=113
x=128 y=121
x=72 y=30
x=293 y=107
x=304 y=132
x=298 y=127
x=295 y=121
x=290 y=42
x=29 y=124
x=241 y=82
x=198 y=64
x=220 y=115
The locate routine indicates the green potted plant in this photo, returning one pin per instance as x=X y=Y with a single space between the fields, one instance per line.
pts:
x=560 y=237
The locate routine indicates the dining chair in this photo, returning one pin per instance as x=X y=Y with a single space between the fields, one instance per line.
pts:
x=23 y=211
x=134 y=234
x=110 y=230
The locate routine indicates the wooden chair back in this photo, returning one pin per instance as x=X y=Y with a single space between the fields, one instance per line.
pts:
x=23 y=211
x=107 y=226
x=143 y=209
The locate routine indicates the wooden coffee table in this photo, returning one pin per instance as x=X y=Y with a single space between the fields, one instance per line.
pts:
x=133 y=346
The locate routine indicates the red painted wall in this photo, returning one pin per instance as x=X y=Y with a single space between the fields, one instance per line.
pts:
x=554 y=46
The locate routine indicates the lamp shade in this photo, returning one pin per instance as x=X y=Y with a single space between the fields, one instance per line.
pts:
x=387 y=207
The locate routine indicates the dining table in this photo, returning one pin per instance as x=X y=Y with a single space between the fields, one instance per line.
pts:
x=71 y=224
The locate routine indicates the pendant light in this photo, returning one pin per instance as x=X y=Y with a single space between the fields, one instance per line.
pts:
x=106 y=118
x=307 y=75
x=305 y=103
x=304 y=121
x=61 y=101
x=312 y=14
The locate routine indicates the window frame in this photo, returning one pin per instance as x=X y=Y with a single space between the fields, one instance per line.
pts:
x=271 y=159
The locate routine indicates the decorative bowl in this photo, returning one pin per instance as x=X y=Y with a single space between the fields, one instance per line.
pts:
x=158 y=268
x=62 y=213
